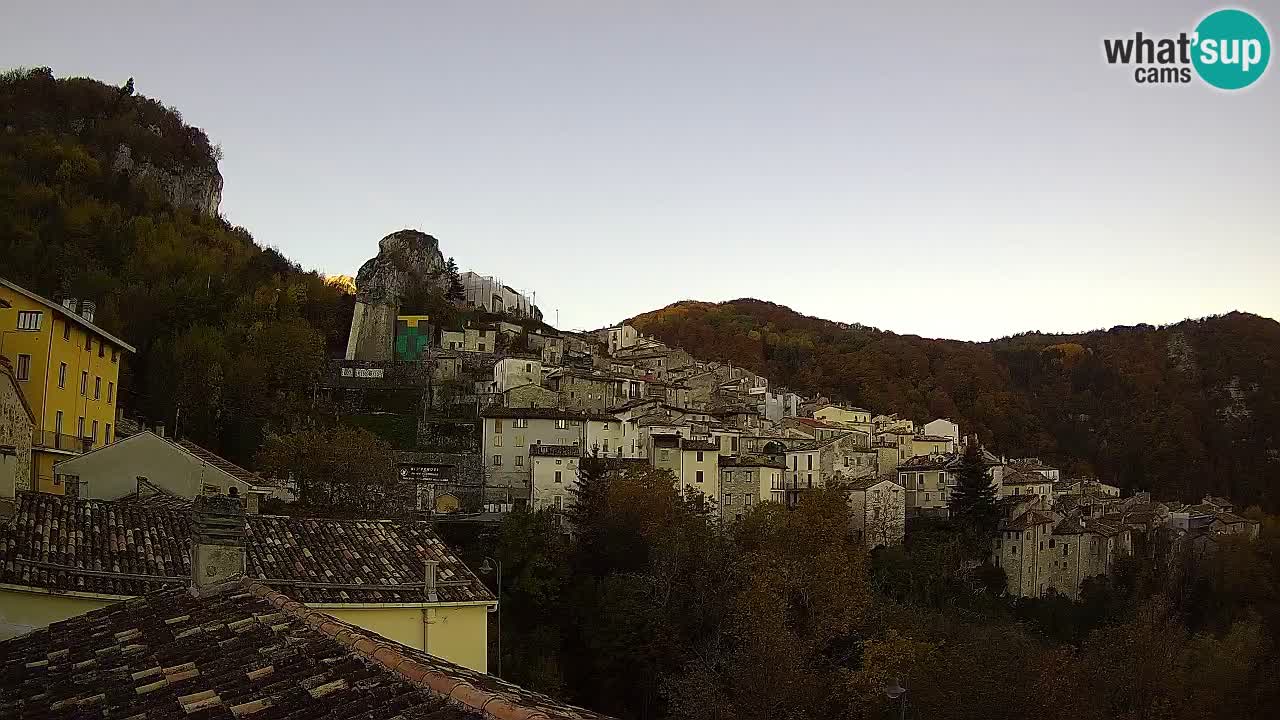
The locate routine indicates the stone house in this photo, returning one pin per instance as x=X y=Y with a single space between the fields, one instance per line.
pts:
x=594 y=389
x=694 y=463
x=819 y=464
x=747 y=481
x=510 y=372
x=1021 y=547
x=1025 y=482
x=17 y=422
x=1081 y=549
x=928 y=482
x=530 y=396
x=878 y=511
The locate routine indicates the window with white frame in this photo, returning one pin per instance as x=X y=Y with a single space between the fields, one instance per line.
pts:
x=29 y=319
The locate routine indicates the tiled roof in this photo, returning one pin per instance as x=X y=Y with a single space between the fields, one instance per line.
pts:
x=928 y=462
x=866 y=483
x=704 y=445
x=497 y=411
x=224 y=465
x=1024 y=477
x=751 y=461
x=242 y=650
x=1233 y=519
x=932 y=438
x=1029 y=519
x=555 y=450
x=130 y=549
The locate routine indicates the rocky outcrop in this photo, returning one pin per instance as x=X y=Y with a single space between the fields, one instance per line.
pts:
x=406 y=260
x=195 y=188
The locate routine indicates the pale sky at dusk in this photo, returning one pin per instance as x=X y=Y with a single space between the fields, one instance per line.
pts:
x=961 y=170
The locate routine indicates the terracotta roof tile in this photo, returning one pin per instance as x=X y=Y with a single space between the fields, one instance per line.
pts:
x=131 y=549
x=251 y=653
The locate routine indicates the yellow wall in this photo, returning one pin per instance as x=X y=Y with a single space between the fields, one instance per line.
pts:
x=23 y=611
x=458 y=633
x=48 y=350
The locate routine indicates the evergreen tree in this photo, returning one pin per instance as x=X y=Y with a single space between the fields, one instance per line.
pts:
x=974 y=499
x=456 y=292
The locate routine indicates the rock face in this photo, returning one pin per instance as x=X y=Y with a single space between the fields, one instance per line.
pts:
x=196 y=188
x=406 y=259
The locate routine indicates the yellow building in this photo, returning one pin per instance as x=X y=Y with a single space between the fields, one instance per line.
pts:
x=69 y=372
x=397 y=579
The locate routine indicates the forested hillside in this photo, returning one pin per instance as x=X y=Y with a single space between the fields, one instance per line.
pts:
x=1181 y=410
x=230 y=334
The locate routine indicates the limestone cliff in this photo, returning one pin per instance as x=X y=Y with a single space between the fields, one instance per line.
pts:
x=196 y=188
x=406 y=260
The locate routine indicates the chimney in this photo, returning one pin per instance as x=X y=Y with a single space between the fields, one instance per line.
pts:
x=69 y=303
x=217 y=540
x=432 y=595
x=160 y=429
x=87 y=308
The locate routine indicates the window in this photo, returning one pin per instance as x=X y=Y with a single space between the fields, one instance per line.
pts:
x=728 y=499
x=664 y=455
x=733 y=443
x=111 y=392
x=926 y=497
x=62 y=375
x=106 y=435
x=94 y=435
x=519 y=461
x=528 y=367
x=558 y=500
x=1041 y=544
x=66 y=331
x=561 y=424
x=1065 y=549
x=57 y=423
x=102 y=350
x=699 y=456
x=605 y=426
x=698 y=476
x=97 y=388
x=606 y=445
x=1013 y=549
x=520 y=423
x=497 y=461
x=29 y=319
x=497 y=425
x=481 y=347
x=84 y=382
x=115 y=355
x=809 y=459
x=810 y=480
x=80 y=427
x=795 y=459
x=1050 y=543
x=497 y=441
x=88 y=341
x=24 y=367
x=559 y=477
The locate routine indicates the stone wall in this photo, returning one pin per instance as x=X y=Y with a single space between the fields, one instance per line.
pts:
x=15 y=432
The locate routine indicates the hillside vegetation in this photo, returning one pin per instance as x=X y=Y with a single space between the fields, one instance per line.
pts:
x=1180 y=410
x=230 y=334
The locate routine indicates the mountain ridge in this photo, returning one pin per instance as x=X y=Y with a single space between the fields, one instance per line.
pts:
x=1182 y=409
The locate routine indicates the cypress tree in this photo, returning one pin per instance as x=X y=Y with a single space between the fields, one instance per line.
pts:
x=974 y=500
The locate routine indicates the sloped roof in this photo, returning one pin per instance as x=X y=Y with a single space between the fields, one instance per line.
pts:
x=241 y=649
x=928 y=462
x=555 y=450
x=1024 y=477
x=751 y=461
x=497 y=411
x=68 y=315
x=866 y=483
x=128 y=549
x=224 y=464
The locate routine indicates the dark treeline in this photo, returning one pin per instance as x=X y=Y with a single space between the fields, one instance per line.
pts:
x=1181 y=410
x=654 y=610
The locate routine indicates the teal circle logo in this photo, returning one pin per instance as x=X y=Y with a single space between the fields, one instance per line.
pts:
x=1231 y=49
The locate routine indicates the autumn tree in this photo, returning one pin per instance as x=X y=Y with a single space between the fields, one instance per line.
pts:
x=343 y=471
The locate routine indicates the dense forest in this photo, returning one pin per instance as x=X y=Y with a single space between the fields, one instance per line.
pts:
x=1180 y=410
x=230 y=335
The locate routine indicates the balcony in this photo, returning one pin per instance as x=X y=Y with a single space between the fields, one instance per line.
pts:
x=47 y=440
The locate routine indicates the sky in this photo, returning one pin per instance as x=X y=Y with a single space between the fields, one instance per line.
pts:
x=958 y=170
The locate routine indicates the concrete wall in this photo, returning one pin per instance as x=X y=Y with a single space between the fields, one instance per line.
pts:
x=112 y=472
x=545 y=488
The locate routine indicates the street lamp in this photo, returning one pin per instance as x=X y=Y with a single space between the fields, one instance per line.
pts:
x=896 y=691
x=487 y=568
